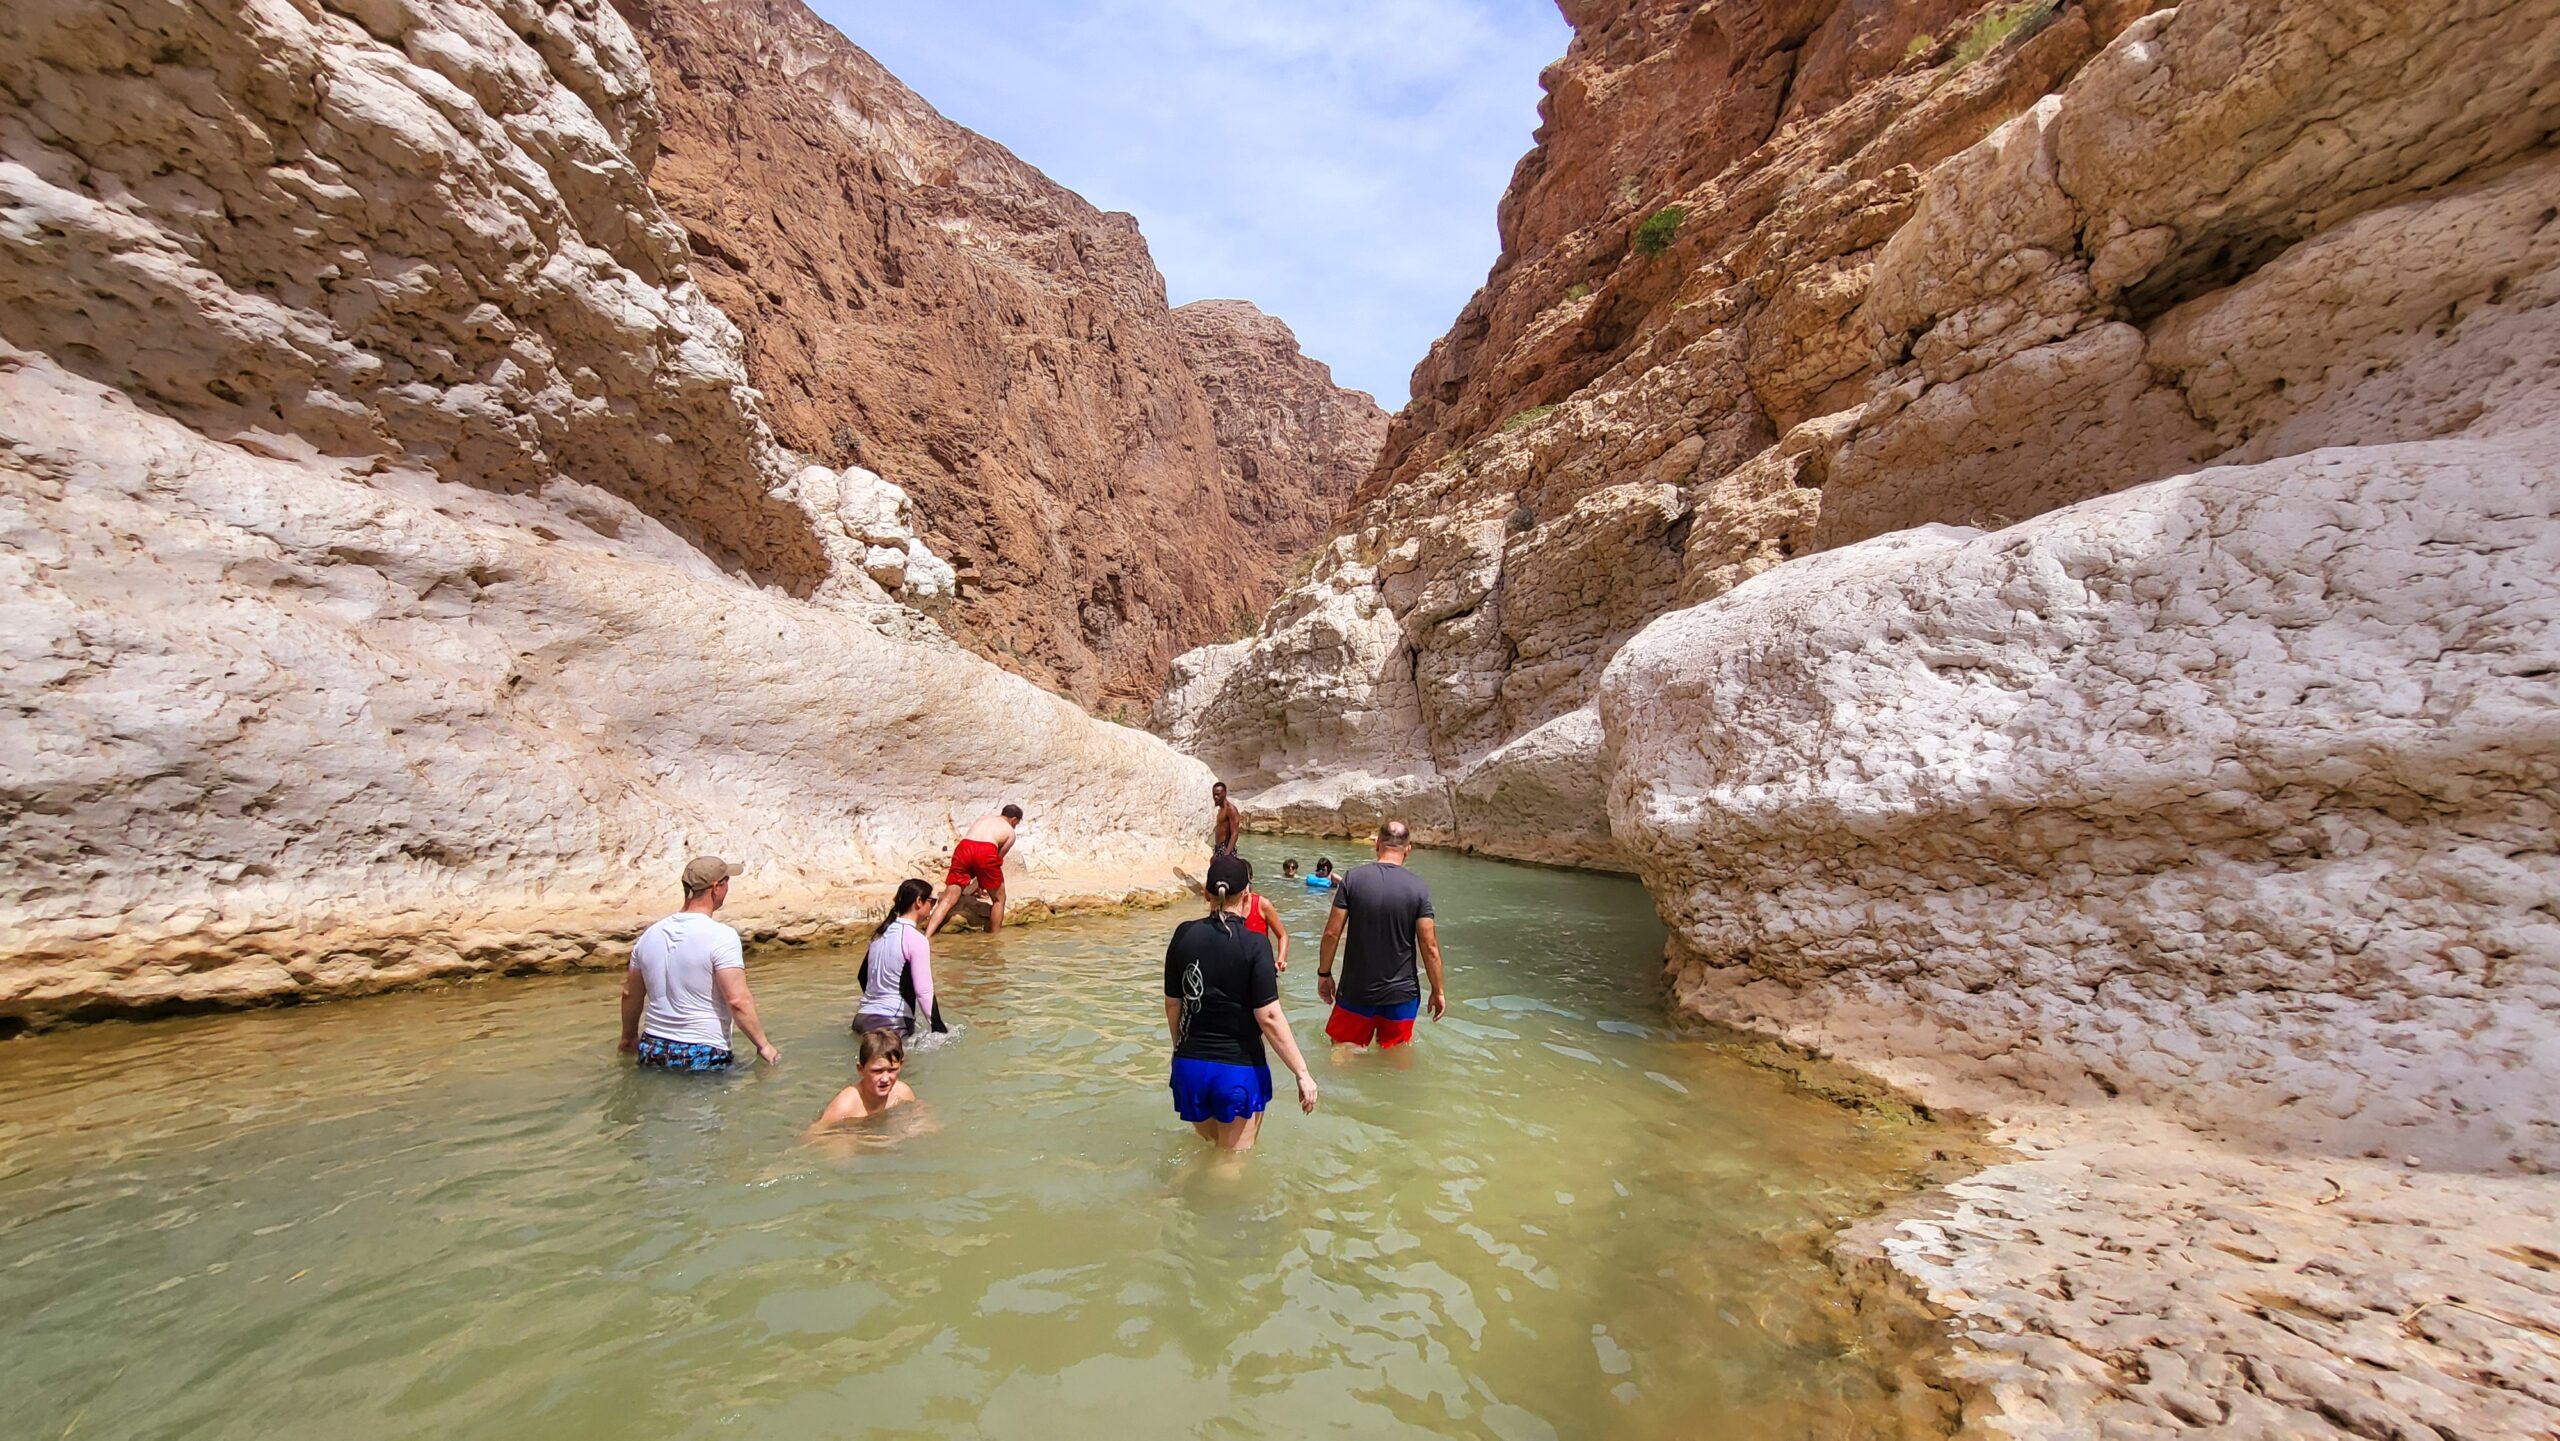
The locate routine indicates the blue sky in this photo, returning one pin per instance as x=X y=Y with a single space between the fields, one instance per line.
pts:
x=1336 y=162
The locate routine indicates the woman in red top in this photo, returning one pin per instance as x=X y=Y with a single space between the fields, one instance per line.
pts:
x=1263 y=917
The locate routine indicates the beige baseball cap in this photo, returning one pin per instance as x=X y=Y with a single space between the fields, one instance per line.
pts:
x=703 y=872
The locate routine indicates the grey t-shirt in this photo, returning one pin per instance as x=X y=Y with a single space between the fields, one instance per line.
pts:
x=1384 y=903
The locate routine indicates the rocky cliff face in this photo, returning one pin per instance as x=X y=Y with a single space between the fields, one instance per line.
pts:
x=1292 y=445
x=400 y=578
x=2055 y=505
x=1781 y=278
x=1113 y=481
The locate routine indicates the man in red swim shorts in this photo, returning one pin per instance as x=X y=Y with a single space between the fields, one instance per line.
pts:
x=1385 y=912
x=978 y=861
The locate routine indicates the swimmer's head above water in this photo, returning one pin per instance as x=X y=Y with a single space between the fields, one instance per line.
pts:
x=884 y=1055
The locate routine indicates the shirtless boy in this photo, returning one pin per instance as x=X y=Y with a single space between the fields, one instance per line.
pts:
x=978 y=861
x=884 y=1055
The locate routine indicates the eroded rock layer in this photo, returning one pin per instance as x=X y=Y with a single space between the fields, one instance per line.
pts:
x=1781 y=278
x=1114 y=482
x=400 y=578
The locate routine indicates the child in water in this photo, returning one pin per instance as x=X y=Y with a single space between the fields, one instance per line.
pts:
x=1322 y=880
x=877 y=1089
x=1289 y=869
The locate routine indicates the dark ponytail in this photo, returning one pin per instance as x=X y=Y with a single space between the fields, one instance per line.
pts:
x=910 y=891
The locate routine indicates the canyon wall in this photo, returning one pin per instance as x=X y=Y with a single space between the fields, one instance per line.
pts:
x=2034 y=527
x=1777 y=279
x=401 y=579
x=1113 y=481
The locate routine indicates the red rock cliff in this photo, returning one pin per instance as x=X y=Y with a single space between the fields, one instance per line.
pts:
x=918 y=300
x=1784 y=275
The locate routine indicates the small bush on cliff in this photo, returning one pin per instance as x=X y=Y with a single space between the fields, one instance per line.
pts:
x=1654 y=236
x=1920 y=45
x=1579 y=290
x=1523 y=519
x=1531 y=416
x=1999 y=23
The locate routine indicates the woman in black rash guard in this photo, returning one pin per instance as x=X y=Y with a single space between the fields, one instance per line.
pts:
x=1221 y=1001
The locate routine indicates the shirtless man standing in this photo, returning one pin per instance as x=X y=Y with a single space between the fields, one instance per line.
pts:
x=979 y=861
x=1226 y=824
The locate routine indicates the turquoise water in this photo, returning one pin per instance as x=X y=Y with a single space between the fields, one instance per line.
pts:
x=457 y=1214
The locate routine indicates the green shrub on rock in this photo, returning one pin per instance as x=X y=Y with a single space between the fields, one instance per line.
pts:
x=1654 y=236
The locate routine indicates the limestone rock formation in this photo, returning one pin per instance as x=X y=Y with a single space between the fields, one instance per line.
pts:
x=1114 y=482
x=878 y=518
x=2229 y=797
x=400 y=579
x=2229 y=793
x=1778 y=279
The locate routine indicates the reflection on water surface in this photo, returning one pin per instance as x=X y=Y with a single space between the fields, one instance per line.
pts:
x=457 y=1215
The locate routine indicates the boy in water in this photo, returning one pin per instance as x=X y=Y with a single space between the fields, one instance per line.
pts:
x=884 y=1055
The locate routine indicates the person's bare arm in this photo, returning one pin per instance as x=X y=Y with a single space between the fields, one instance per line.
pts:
x=1275 y=1029
x=1427 y=932
x=1173 y=1019
x=1325 y=948
x=1279 y=936
x=1005 y=847
x=742 y=1009
x=635 y=995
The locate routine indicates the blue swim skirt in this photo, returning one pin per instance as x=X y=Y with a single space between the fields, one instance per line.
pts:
x=683 y=1055
x=1217 y=1091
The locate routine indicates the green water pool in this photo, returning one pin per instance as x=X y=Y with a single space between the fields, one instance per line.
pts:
x=458 y=1214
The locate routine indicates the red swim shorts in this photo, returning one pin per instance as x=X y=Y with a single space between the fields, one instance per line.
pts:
x=977 y=861
x=1390 y=1027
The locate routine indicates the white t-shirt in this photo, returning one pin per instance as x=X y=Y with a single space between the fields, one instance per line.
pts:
x=675 y=959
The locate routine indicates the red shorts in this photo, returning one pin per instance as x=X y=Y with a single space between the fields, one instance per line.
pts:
x=977 y=861
x=1390 y=1027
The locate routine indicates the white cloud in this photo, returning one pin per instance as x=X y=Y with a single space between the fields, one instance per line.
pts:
x=1337 y=163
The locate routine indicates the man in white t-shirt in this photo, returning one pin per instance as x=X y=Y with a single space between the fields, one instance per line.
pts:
x=688 y=980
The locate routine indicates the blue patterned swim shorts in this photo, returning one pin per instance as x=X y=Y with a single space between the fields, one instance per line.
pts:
x=683 y=1055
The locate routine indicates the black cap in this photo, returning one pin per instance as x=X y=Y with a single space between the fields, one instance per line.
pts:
x=1229 y=874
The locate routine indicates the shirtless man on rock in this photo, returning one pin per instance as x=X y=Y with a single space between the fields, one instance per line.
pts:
x=1226 y=823
x=978 y=861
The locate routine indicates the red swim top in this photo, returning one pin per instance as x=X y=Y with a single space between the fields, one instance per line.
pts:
x=1257 y=915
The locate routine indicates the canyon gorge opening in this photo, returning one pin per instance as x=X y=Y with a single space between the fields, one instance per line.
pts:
x=2027 y=527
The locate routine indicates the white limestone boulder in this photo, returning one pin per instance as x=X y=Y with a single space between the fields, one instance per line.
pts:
x=2234 y=793
x=1542 y=797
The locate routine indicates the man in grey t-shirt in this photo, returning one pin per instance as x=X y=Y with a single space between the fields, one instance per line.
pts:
x=1386 y=912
